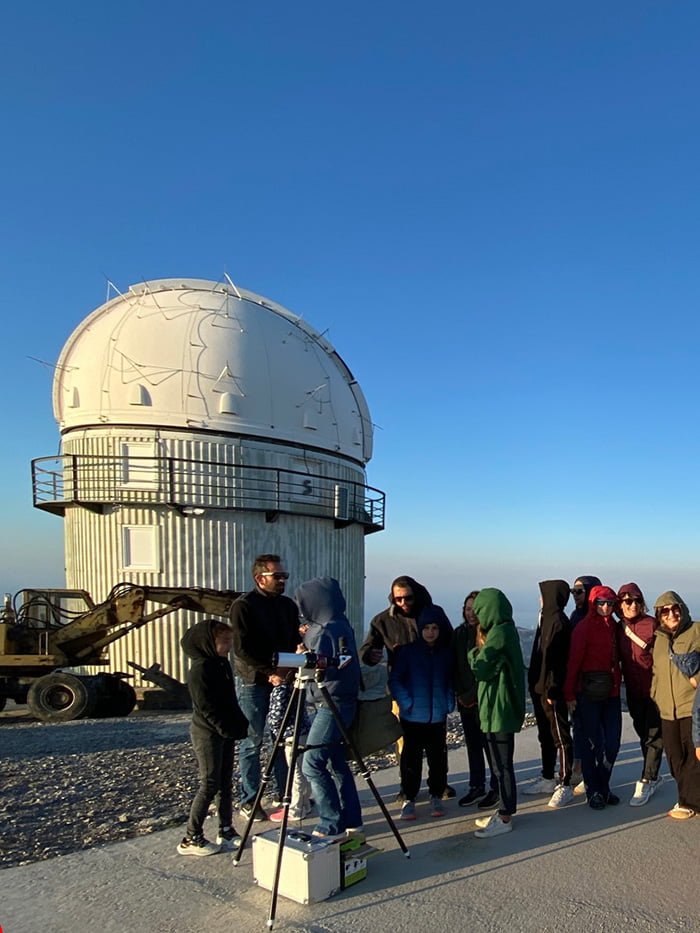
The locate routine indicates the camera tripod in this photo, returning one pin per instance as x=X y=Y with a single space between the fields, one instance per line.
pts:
x=303 y=678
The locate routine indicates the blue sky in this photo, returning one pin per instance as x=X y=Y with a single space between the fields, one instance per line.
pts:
x=491 y=208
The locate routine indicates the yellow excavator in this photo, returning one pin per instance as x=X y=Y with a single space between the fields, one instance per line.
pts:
x=42 y=632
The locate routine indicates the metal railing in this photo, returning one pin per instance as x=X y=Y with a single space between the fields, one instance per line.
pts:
x=96 y=481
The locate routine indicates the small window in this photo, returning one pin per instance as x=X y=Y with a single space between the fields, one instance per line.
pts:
x=140 y=549
x=139 y=465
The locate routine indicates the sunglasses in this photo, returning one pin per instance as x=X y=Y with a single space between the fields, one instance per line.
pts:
x=403 y=599
x=670 y=610
x=605 y=602
x=628 y=600
x=577 y=591
x=277 y=574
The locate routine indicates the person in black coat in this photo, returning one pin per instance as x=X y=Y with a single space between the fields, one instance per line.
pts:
x=217 y=721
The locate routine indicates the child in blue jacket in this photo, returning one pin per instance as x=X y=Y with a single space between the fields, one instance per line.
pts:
x=421 y=683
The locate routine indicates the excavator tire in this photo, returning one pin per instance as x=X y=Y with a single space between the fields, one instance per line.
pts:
x=60 y=697
x=114 y=697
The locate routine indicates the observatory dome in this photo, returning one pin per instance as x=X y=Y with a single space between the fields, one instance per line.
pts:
x=201 y=355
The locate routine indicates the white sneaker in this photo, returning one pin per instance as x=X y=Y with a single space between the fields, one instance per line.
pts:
x=562 y=795
x=485 y=820
x=642 y=793
x=494 y=827
x=580 y=788
x=540 y=785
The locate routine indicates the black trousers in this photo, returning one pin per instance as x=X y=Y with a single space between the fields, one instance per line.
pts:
x=647 y=724
x=477 y=749
x=215 y=761
x=685 y=768
x=554 y=734
x=420 y=737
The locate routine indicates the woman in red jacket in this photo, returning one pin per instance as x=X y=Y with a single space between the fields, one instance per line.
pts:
x=593 y=688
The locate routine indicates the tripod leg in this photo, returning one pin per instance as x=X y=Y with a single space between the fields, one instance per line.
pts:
x=364 y=770
x=298 y=696
x=277 y=748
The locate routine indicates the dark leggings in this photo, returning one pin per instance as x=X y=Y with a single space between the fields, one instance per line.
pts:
x=215 y=760
x=502 y=746
x=418 y=737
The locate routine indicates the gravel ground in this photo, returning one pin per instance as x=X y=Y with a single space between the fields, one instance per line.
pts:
x=75 y=785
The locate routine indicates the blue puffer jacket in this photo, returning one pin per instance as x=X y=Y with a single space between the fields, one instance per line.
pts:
x=421 y=678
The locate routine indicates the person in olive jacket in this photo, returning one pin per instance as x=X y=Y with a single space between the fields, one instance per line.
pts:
x=674 y=694
x=497 y=663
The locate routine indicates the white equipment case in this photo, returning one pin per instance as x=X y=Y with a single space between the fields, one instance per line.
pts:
x=310 y=869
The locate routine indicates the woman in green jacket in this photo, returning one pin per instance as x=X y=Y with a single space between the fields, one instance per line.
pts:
x=498 y=666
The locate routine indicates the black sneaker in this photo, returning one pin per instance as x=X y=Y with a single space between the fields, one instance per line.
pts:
x=449 y=793
x=597 y=802
x=247 y=811
x=197 y=845
x=228 y=838
x=472 y=796
x=612 y=799
x=490 y=800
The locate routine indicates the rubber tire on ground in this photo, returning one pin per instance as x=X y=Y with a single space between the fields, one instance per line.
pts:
x=60 y=697
x=113 y=697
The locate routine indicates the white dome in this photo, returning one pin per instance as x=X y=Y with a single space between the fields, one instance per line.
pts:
x=189 y=353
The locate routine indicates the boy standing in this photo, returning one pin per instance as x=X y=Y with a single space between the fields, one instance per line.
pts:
x=217 y=721
x=420 y=682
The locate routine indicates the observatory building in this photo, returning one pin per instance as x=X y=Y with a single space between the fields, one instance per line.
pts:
x=202 y=425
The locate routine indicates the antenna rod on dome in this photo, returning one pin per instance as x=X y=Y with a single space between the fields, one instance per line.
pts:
x=230 y=282
x=111 y=285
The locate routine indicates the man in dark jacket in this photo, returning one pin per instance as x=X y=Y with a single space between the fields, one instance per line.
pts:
x=217 y=722
x=410 y=604
x=546 y=675
x=264 y=622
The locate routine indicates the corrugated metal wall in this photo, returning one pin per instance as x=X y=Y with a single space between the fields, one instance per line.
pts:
x=215 y=549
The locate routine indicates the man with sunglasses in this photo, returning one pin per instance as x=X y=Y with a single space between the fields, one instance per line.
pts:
x=390 y=630
x=264 y=622
x=635 y=639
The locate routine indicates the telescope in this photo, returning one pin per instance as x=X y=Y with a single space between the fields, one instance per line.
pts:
x=309 y=660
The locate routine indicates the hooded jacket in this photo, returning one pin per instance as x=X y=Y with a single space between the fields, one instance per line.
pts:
x=670 y=689
x=420 y=680
x=392 y=629
x=322 y=604
x=498 y=666
x=588 y=582
x=550 y=649
x=465 y=685
x=636 y=660
x=593 y=646
x=210 y=680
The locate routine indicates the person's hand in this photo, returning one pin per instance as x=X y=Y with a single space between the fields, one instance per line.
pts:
x=375 y=655
x=571 y=705
x=693 y=682
x=275 y=680
x=480 y=637
x=301 y=648
x=550 y=702
x=697 y=753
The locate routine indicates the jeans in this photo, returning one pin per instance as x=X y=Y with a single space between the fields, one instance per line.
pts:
x=254 y=700
x=502 y=747
x=332 y=782
x=215 y=761
x=431 y=738
x=601 y=725
x=477 y=749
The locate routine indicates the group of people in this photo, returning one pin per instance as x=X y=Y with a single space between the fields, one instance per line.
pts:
x=576 y=669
